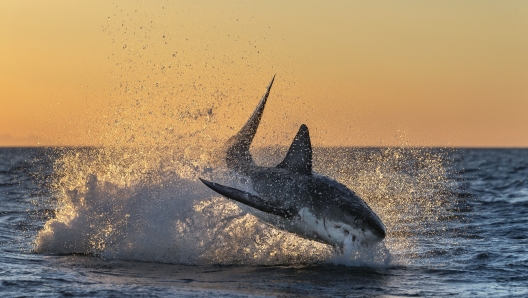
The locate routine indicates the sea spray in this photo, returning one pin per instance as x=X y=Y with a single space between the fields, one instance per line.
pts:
x=147 y=204
x=166 y=215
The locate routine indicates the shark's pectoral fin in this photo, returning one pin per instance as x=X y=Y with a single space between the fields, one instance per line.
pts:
x=248 y=199
x=299 y=156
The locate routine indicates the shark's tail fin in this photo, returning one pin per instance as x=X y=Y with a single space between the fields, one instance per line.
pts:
x=237 y=147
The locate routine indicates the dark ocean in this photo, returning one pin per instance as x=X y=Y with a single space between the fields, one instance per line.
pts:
x=114 y=222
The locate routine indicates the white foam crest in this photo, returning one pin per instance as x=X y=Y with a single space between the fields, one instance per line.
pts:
x=176 y=221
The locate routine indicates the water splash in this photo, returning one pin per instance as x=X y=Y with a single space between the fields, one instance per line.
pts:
x=134 y=211
x=122 y=203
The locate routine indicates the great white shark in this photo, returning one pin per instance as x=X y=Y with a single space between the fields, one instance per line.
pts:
x=292 y=197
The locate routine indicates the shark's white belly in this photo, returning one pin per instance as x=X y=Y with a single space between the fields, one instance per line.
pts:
x=307 y=225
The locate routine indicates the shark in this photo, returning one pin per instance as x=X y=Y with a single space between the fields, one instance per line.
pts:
x=291 y=196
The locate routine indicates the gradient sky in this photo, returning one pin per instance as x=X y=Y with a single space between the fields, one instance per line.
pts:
x=358 y=73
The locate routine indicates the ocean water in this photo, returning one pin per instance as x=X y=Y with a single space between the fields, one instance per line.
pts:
x=137 y=222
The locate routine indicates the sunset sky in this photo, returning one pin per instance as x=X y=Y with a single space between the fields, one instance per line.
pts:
x=358 y=73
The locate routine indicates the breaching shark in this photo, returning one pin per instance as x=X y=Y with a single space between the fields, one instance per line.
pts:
x=292 y=197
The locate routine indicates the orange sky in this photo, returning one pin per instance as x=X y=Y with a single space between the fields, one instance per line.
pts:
x=358 y=73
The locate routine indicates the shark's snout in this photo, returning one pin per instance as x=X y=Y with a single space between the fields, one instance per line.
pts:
x=371 y=226
x=379 y=231
x=376 y=229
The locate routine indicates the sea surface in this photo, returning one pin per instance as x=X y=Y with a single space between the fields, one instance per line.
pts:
x=110 y=222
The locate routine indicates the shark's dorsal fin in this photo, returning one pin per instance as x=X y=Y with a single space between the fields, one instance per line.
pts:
x=299 y=156
x=237 y=147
